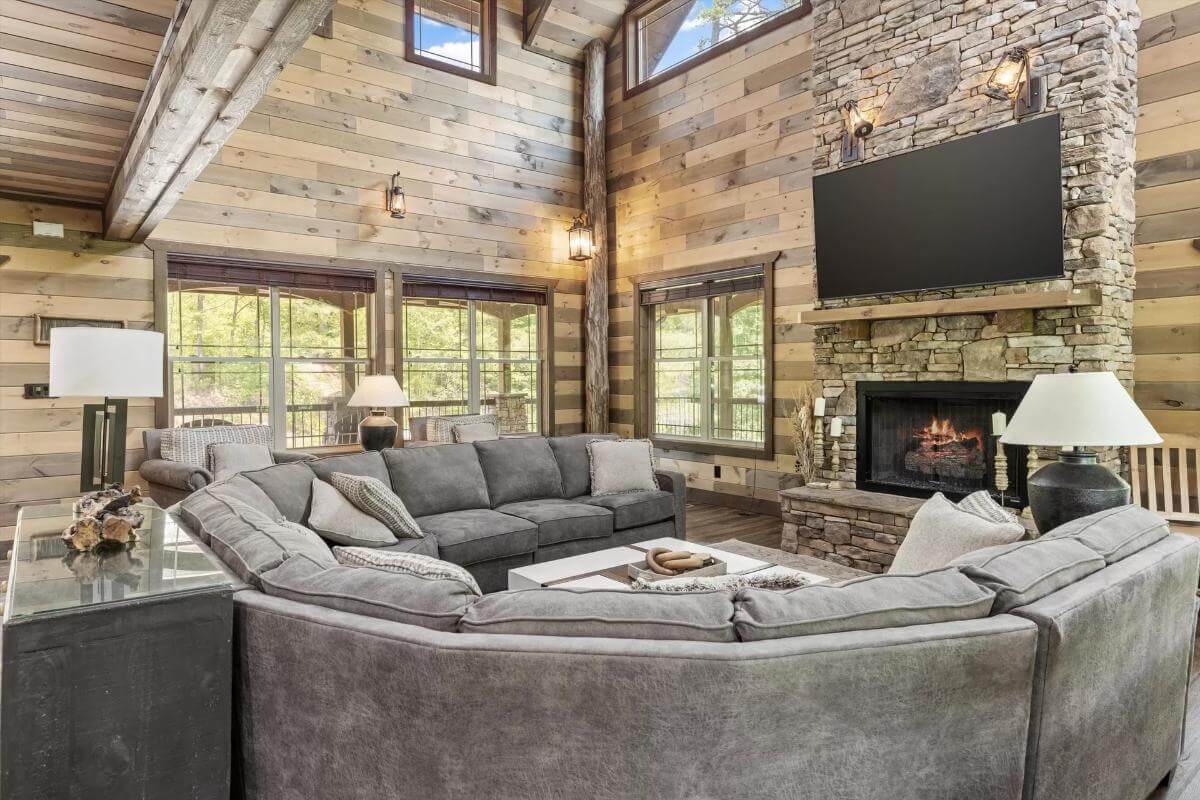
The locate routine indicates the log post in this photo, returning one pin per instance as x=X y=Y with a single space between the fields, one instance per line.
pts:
x=595 y=204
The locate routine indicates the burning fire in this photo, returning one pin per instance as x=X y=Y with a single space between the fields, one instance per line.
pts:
x=942 y=432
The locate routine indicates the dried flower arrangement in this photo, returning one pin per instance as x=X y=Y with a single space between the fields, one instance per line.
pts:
x=802 y=431
x=107 y=516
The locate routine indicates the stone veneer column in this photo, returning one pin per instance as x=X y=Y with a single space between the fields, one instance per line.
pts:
x=918 y=67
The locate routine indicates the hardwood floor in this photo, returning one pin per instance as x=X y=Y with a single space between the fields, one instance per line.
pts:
x=708 y=523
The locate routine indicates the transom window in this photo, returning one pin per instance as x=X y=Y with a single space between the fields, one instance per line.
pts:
x=457 y=36
x=257 y=353
x=708 y=350
x=670 y=36
x=459 y=353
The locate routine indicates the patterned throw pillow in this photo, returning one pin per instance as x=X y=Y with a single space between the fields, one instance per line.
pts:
x=418 y=564
x=729 y=583
x=374 y=497
x=441 y=429
x=981 y=504
x=190 y=445
x=620 y=466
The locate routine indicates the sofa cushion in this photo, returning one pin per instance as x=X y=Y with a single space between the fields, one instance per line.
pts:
x=434 y=480
x=698 y=616
x=876 y=601
x=519 y=469
x=633 y=509
x=1115 y=533
x=422 y=566
x=199 y=505
x=479 y=534
x=941 y=532
x=572 y=456
x=561 y=521
x=1023 y=572
x=426 y=545
x=190 y=445
x=288 y=485
x=410 y=599
x=368 y=463
x=252 y=543
x=335 y=518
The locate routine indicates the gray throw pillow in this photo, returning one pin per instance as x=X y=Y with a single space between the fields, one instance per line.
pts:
x=337 y=519
x=621 y=466
x=226 y=459
x=941 y=532
x=876 y=601
x=441 y=429
x=475 y=432
x=190 y=445
x=374 y=497
x=406 y=563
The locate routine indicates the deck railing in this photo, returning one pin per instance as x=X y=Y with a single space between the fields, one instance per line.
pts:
x=683 y=416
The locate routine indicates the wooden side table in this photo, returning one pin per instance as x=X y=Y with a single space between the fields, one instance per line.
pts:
x=116 y=674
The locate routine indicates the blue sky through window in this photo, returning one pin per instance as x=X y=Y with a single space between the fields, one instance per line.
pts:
x=707 y=22
x=449 y=32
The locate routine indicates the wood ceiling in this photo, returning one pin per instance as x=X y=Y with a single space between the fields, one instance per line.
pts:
x=72 y=73
x=562 y=28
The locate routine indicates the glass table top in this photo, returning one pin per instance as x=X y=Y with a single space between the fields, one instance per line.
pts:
x=49 y=576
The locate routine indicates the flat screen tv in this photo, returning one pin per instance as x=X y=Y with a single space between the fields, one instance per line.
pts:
x=983 y=209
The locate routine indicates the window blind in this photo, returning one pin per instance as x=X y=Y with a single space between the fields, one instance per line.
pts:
x=250 y=273
x=439 y=289
x=712 y=285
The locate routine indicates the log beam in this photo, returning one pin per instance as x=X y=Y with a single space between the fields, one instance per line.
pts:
x=595 y=204
x=220 y=65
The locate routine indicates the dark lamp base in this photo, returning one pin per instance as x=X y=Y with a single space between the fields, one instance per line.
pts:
x=1073 y=487
x=377 y=431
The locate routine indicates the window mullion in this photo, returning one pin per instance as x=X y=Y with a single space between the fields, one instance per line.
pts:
x=473 y=393
x=277 y=407
x=706 y=373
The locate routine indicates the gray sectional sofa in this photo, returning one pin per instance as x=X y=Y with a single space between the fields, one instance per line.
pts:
x=488 y=506
x=1048 y=670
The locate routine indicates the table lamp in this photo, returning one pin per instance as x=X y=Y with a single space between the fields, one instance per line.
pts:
x=110 y=363
x=378 y=431
x=1077 y=410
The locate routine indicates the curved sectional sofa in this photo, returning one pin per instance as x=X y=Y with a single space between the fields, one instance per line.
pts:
x=1050 y=669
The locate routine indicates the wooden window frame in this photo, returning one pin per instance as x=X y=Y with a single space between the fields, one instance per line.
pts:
x=488 y=41
x=643 y=342
x=629 y=58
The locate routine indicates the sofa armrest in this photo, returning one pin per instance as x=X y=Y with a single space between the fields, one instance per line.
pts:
x=290 y=456
x=175 y=474
x=676 y=484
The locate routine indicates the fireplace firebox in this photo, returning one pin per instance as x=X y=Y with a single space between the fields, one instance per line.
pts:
x=918 y=438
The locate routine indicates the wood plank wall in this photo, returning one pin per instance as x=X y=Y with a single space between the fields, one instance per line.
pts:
x=1166 y=317
x=491 y=173
x=79 y=275
x=714 y=165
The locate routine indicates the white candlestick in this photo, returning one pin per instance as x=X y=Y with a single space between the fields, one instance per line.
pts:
x=999 y=423
x=819 y=407
x=835 y=427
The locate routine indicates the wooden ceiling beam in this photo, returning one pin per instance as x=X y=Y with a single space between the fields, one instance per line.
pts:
x=225 y=56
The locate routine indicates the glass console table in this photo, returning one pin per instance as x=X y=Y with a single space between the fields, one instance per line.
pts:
x=115 y=676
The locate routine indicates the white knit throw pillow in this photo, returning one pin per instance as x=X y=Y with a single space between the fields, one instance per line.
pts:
x=941 y=532
x=620 y=466
x=418 y=564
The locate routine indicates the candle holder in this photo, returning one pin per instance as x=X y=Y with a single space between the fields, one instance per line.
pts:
x=1001 y=463
x=835 y=433
x=818 y=441
x=1032 y=466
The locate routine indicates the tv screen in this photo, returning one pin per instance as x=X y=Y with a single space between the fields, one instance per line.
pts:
x=984 y=209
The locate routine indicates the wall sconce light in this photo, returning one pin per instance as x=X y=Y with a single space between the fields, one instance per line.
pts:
x=858 y=127
x=579 y=238
x=395 y=198
x=1011 y=80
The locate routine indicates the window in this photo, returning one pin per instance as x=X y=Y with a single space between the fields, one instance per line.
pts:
x=709 y=361
x=244 y=349
x=464 y=345
x=457 y=36
x=670 y=36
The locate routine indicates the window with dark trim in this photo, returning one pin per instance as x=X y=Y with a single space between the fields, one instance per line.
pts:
x=664 y=38
x=270 y=345
x=463 y=344
x=456 y=36
x=707 y=362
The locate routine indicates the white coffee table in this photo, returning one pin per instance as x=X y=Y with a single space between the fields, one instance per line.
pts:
x=605 y=569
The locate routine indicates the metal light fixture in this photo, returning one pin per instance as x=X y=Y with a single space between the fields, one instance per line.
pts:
x=395 y=198
x=579 y=238
x=1012 y=80
x=858 y=127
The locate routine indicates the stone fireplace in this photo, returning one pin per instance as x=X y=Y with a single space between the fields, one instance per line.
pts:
x=918 y=68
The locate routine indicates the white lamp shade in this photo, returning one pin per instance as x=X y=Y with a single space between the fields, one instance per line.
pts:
x=378 y=391
x=105 y=362
x=1082 y=409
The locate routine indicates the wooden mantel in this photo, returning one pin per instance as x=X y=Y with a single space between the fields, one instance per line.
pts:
x=1065 y=298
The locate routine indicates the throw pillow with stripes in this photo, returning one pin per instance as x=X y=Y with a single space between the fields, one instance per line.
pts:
x=418 y=564
x=373 y=496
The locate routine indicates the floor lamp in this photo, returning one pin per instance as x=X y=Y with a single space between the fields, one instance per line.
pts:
x=113 y=363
